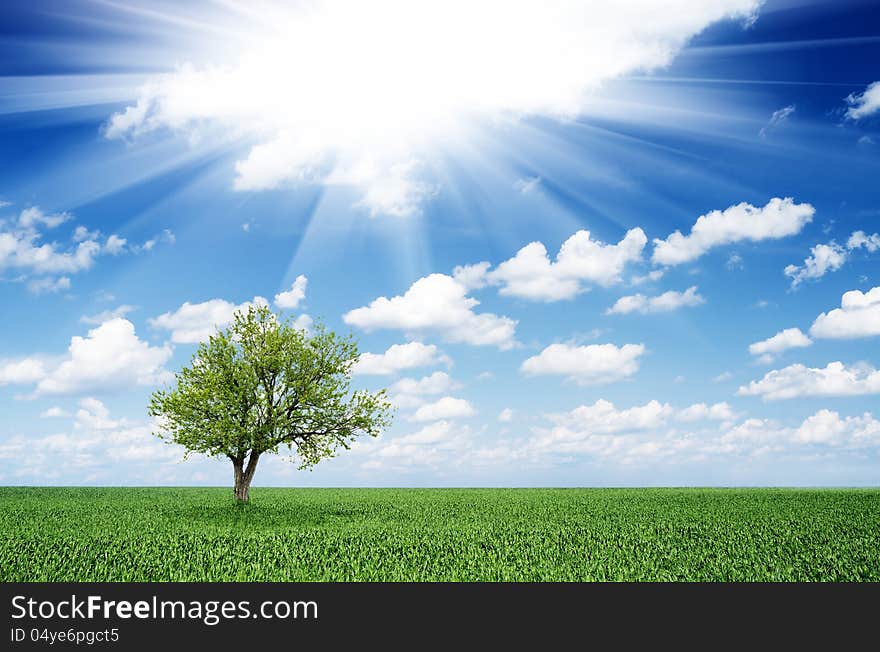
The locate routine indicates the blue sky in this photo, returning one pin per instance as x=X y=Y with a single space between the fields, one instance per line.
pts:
x=487 y=198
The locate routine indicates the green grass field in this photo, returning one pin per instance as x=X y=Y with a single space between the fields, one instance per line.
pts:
x=96 y=534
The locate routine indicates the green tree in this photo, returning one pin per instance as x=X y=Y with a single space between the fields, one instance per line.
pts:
x=262 y=386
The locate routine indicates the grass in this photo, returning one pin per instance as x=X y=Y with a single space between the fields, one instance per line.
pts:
x=169 y=534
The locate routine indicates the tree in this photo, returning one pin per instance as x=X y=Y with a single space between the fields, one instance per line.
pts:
x=263 y=385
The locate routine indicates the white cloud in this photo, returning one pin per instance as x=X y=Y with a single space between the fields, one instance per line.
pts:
x=115 y=245
x=768 y=349
x=290 y=299
x=434 y=445
x=603 y=417
x=409 y=393
x=94 y=415
x=530 y=274
x=49 y=284
x=653 y=276
x=437 y=383
x=665 y=302
x=46 y=265
x=858 y=316
x=779 y=116
x=724 y=376
x=54 y=412
x=436 y=303
x=703 y=412
x=830 y=257
x=107 y=315
x=473 y=277
x=447 y=407
x=95 y=442
x=827 y=427
x=303 y=322
x=639 y=433
x=33 y=217
x=196 y=322
x=595 y=364
x=859 y=239
x=506 y=415
x=21 y=247
x=643 y=435
x=798 y=381
x=110 y=357
x=824 y=258
x=399 y=357
x=861 y=105
x=81 y=234
x=396 y=190
x=777 y=219
x=399 y=91
x=27 y=370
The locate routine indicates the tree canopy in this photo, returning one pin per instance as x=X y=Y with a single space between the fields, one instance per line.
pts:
x=262 y=386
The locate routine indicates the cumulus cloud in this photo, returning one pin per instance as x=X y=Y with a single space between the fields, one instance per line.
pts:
x=860 y=239
x=447 y=407
x=703 y=412
x=399 y=357
x=115 y=245
x=779 y=218
x=94 y=442
x=595 y=364
x=436 y=383
x=646 y=435
x=109 y=358
x=290 y=299
x=434 y=445
x=34 y=216
x=636 y=434
x=530 y=274
x=21 y=246
x=604 y=417
x=506 y=415
x=858 y=316
x=824 y=258
x=650 y=434
x=196 y=322
x=45 y=265
x=436 y=303
x=665 y=302
x=827 y=427
x=26 y=370
x=861 y=105
x=473 y=277
x=798 y=381
x=830 y=257
x=303 y=322
x=768 y=349
x=398 y=90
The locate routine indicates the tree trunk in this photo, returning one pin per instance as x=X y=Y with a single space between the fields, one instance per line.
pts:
x=243 y=476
